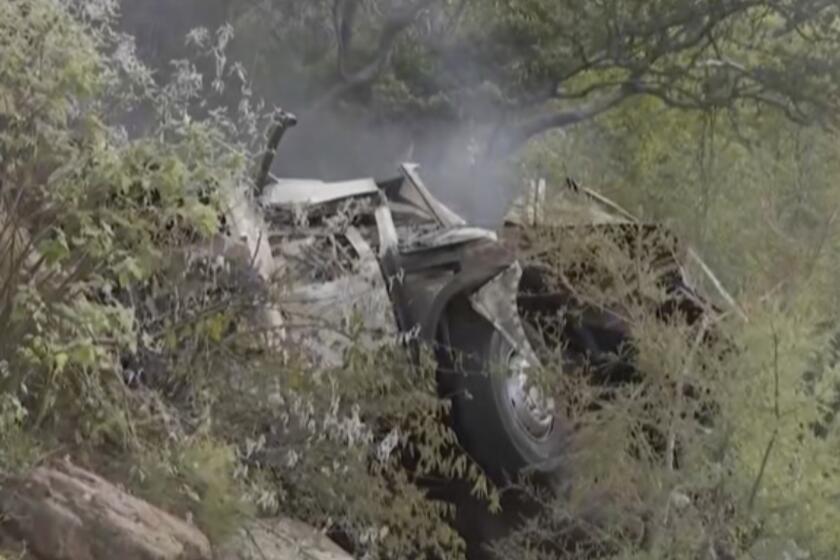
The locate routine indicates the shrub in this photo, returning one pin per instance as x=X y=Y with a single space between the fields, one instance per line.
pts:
x=127 y=344
x=715 y=448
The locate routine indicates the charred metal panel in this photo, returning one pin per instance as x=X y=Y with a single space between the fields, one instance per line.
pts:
x=248 y=228
x=322 y=313
x=423 y=240
x=388 y=238
x=422 y=197
x=496 y=302
x=309 y=192
x=479 y=262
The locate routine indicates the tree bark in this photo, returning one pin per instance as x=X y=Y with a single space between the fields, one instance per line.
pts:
x=509 y=140
x=397 y=21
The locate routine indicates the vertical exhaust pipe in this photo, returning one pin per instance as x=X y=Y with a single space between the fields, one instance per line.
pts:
x=282 y=122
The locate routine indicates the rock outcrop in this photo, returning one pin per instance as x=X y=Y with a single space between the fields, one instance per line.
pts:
x=280 y=539
x=63 y=512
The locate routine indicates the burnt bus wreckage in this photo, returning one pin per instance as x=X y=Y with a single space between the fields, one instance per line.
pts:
x=391 y=253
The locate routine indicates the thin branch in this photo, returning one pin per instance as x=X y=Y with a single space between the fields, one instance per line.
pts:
x=670 y=456
x=778 y=416
x=587 y=91
x=458 y=17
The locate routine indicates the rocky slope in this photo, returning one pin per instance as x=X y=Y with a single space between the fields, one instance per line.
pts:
x=63 y=512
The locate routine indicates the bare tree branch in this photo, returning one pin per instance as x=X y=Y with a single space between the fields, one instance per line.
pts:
x=344 y=17
x=511 y=140
x=396 y=22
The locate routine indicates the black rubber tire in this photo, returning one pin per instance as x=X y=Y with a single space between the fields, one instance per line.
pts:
x=485 y=425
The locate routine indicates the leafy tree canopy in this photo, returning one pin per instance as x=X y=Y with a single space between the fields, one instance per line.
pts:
x=530 y=66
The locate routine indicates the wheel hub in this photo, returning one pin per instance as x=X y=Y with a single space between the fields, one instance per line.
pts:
x=532 y=410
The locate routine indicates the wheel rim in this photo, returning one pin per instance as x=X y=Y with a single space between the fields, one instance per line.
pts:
x=532 y=411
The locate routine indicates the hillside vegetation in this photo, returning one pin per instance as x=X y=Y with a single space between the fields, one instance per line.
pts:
x=128 y=346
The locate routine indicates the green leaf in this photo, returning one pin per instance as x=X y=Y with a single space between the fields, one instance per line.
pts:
x=129 y=270
x=55 y=250
x=84 y=353
x=60 y=359
x=204 y=217
x=215 y=327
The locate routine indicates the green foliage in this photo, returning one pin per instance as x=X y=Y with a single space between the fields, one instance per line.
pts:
x=708 y=176
x=757 y=195
x=120 y=341
x=784 y=459
x=19 y=449
x=348 y=448
x=87 y=217
x=538 y=65
x=129 y=342
x=195 y=479
x=643 y=470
